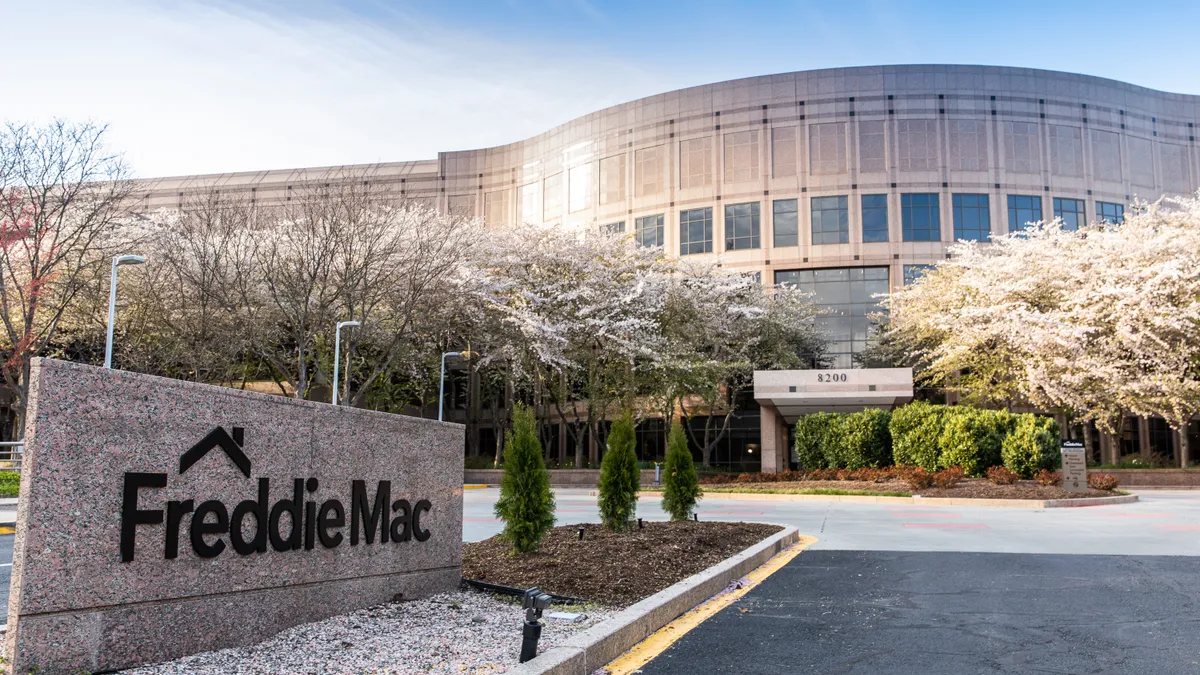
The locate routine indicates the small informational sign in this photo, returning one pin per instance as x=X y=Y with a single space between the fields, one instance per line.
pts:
x=1074 y=467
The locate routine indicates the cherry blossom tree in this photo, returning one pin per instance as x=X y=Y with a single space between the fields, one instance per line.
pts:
x=1099 y=322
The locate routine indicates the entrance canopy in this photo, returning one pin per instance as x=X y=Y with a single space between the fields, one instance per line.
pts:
x=799 y=392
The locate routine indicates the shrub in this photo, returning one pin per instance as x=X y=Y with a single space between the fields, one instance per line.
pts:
x=915 y=430
x=948 y=477
x=916 y=477
x=619 y=477
x=971 y=438
x=526 y=504
x=1103 y=481
x=859 y=440
x=479 y=462
x=811 y=433
x=1002 y=476
x=1032 y=445
x=681 y=489
x=1048 y=478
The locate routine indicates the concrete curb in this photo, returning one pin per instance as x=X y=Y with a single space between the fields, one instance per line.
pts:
x=590 y=650
x=926 y=501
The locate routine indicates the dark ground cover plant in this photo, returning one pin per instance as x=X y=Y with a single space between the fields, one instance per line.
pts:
x=1103 y=481
x=1048 y=477
x=1002 y=475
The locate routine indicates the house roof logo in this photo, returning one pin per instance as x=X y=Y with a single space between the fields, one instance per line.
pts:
x=218 y=438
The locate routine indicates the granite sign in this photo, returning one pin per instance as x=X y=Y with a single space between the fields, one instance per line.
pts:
x=1074 y=467
x=160 y=518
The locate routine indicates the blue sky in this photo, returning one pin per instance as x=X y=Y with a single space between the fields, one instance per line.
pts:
x=191 y=86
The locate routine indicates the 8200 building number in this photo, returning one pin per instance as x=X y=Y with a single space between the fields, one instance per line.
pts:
x=831 y=377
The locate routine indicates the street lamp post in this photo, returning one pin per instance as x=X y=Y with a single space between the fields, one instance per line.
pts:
x=442 y=384
x=337 y=353
x=112 y=300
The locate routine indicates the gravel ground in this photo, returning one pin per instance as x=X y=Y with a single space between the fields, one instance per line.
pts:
x=466 y=632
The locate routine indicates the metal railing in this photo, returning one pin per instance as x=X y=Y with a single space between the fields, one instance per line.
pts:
x=10 y=455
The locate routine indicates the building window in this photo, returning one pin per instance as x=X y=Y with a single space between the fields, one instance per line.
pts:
x=783 y=152
x=530 y=201
x=695 y=162
x=552 y=195
x=849 y=293
x=495 y=207
x=1021 y=153
x=612 y=180
x=1071 y=212
x=741 y=226
x=648 y=231
x=741 y=157
x=972 y=220
x=968 y=145
x=614 y=228
x=785 y=222
x=462 y=206
x=648 y=171
x=916 y=142
x=1106 y=155
x=1023 y=210
x=695 y=231
x=830 y=220
x=1140 y=153
x=919 y=217
x=1108 y=212
x=874 y=218
x=872 y=154
x=1066 y=151
x=580 y=187
x=827 y=148
x=914 y=272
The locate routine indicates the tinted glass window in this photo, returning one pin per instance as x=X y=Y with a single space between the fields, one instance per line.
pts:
x=830 y=220
x=1023 y=210
x=971 y=217
x=919 y=217
x=874 y=218
x=785 y=222
x=695 y=231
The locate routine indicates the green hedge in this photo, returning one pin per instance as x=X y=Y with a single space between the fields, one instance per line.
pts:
x=929 y=436
x=849 y=441
x=1032 y=445
x=916 y=429
x=971 y=439
x=10 y=483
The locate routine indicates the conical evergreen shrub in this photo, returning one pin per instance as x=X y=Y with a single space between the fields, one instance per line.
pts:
x=526 y=504
x=681 y=486
x=619 y=477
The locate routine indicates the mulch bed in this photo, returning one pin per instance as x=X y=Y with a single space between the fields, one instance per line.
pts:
x=610 y=568
x=969 y=488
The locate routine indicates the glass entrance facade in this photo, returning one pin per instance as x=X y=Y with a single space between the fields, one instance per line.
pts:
x=849 y=293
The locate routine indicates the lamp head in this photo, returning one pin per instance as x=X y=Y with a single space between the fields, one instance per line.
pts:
x=350 y=324
x=130 y=259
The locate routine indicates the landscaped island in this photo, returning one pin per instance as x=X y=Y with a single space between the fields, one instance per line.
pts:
x=609 y=568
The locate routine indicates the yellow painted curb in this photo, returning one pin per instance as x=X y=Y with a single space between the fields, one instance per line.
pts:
x=658 y=642
x=7 y=529
x=479 y=486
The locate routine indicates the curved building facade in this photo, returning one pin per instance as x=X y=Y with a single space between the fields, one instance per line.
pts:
x=846 y=181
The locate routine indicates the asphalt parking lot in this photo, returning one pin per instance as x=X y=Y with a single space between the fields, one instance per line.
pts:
x=958 y=590
x=934 y=613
